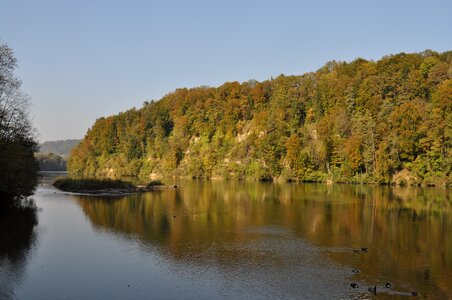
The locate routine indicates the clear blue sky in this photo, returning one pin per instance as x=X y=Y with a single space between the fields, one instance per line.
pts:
x=80 y=60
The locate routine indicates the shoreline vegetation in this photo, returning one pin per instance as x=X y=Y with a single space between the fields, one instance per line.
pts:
x=102 y=187
x=384 y=122
x=18 y=142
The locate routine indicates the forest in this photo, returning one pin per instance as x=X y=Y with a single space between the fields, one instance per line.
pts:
x=52 y=155
x=385 y=121
x=50 y=161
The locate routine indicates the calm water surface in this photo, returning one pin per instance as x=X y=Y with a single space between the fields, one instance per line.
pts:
x=232 y=240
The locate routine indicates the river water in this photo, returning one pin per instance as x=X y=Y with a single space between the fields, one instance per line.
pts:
x=233 y=240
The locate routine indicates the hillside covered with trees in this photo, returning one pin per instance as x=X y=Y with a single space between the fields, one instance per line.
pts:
x=62 y=148
x=362 y=121
x=50 y=161
x=53 y=155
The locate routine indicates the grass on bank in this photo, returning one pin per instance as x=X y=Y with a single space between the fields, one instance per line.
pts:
x=93 y=185
x=70 y=184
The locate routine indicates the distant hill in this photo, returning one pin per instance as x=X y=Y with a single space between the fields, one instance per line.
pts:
x=62 y=148
x=52 y=155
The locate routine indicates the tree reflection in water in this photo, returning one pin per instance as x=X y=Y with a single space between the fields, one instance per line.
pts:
x=17 y=237
x=406 y=231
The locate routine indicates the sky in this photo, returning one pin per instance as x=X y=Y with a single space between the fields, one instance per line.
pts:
x=85 y=59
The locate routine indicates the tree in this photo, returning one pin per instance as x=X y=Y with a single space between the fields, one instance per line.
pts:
x=18 y=167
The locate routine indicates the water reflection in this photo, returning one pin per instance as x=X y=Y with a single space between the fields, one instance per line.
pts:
x=17 y=237
x=263 y=227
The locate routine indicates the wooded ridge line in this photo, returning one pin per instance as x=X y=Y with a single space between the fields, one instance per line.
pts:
x=364 y=121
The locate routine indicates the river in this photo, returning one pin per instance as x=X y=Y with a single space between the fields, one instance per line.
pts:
x=234 y=240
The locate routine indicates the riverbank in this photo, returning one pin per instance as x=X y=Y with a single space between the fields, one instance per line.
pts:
x=104 y=187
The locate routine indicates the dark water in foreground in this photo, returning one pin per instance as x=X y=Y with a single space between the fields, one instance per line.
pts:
x=208 y=240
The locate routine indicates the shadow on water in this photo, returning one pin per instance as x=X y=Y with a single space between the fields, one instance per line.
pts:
x=17 y=237
x=265 y=227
